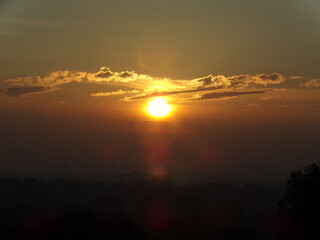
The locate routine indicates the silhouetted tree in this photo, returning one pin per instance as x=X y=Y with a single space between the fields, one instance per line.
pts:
x=300 y=208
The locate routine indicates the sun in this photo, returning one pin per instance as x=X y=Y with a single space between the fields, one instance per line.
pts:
x=159 y=107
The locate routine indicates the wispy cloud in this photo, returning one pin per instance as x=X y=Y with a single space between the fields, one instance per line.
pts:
x=212 y=83
x=140 y=86
x=53 y=79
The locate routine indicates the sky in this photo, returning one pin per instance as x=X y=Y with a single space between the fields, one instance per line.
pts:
x=242 y=78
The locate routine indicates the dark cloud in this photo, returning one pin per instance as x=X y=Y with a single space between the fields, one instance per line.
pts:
x=19 y=91
x=238 y=80
x=273 y=78
x=126 y=74
x=206 y=80
x=104 y=73
x=221 y=95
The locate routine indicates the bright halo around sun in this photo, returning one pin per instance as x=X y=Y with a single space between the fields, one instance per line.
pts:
x=159 y=108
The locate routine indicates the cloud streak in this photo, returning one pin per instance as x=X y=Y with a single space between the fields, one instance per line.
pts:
x=223 y=95
x=114 y=93
x=296 y=77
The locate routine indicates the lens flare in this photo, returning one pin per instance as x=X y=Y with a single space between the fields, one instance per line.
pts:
x=159 y=107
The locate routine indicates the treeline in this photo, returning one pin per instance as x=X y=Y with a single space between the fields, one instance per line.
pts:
x=151 y=209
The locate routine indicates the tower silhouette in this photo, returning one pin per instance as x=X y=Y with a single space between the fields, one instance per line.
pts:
x=114 y=169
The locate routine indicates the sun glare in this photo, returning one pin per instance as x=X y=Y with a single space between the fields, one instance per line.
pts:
x=159 y=107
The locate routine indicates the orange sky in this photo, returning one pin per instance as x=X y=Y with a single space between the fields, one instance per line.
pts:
x=76 y=77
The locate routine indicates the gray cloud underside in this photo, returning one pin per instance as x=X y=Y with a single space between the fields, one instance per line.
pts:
x=20 y=91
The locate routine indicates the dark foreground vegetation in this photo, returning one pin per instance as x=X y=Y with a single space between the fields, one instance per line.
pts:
x=159 y=209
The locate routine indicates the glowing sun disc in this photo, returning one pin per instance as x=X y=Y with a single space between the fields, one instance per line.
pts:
x=159 y=107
